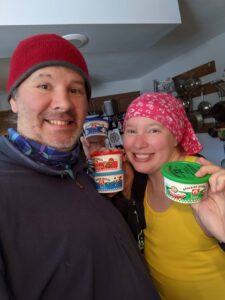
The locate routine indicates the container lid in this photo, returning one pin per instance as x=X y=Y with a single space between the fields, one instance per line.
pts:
x=94 y=118
x=106 y=152
x=183 y=172
x=120 y=172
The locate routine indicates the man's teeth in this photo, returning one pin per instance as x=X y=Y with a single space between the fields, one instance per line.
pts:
x=59 y=122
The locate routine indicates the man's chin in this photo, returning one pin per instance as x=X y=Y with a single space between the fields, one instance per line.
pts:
x=62 y=145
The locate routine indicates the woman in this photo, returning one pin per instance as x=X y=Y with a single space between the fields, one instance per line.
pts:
x=180 y=241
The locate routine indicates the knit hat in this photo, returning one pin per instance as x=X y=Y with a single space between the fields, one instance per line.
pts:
x=44 y=50
x=169 y=111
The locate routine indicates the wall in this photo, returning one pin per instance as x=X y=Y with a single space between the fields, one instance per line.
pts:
x=214 y=49
x=116 y=87
x=4 y=105
x=213 y=148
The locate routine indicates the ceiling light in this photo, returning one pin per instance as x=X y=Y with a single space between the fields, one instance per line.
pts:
x=79 y=40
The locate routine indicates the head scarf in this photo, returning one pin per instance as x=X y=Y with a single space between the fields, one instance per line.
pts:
x=169 y=111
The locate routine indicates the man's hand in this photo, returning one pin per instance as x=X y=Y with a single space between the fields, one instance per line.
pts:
x=92 y=144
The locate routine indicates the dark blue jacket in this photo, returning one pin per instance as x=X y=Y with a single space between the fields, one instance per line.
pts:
x=60 y=239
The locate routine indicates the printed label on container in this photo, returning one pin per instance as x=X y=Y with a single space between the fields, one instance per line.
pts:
x=108 y=163
x=185 y=193
x=95 y=127
x=109 y=183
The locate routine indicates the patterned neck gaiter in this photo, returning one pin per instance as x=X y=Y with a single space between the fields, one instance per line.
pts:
x=43 y=154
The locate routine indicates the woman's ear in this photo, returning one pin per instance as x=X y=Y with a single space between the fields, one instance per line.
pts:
x=175 y=142
x=13 y=104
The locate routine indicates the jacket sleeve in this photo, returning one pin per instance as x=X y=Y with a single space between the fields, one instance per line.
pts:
x=122 y=204
x=4 y=290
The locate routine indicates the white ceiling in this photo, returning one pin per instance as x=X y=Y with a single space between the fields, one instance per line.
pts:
x=127 y=51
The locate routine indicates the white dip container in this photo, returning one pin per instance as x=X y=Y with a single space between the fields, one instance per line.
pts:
x=109 y=182
x=95 y=125
x=109 y=160
x=181 y=184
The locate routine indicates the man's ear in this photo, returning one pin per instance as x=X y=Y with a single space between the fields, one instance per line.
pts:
x=13 y=104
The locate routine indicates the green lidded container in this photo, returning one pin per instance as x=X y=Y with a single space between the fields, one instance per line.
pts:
x=181 y=184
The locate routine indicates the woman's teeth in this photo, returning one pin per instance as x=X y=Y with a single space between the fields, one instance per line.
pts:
x=142 y=157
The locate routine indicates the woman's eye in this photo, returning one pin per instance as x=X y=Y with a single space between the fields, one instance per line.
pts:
x=154 y=130
x=43 y=86
x=130 y=131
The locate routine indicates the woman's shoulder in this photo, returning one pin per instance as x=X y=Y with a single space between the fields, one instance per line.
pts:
x=192 y=158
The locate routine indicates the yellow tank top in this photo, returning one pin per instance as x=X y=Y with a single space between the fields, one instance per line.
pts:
x=184 y=262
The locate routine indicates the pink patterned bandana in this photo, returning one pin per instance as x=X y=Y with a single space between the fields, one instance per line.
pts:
x=167 y=110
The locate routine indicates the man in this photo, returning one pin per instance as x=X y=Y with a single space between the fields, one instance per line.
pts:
x=59 y=239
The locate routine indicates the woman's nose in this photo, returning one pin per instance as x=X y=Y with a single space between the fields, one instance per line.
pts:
x=140 y=141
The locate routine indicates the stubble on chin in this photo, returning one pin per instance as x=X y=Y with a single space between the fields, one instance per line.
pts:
x=65 y=144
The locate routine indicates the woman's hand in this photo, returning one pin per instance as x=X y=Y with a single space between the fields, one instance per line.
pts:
x=128 y=179
x=210 y=212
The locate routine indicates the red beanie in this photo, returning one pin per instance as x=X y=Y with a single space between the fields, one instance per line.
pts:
x=44 y=50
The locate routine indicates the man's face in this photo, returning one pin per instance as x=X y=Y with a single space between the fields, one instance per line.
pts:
x=51 y=105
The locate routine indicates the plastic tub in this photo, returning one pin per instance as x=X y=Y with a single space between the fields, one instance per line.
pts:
x=109 y=182
x=107 y=160
x=95 y=125
x=181 y=184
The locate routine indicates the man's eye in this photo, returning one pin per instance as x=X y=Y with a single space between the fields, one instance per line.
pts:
x=76 y=91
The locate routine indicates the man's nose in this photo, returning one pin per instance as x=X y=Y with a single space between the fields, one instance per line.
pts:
x=61 y=100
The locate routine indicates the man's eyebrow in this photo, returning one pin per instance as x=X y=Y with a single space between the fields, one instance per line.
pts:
x=41 y=75
x=78 y=81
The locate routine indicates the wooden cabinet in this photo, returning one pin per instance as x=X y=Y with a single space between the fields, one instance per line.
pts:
x=7 y=120
x=120 y=101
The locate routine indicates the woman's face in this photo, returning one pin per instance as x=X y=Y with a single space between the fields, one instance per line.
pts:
x=148 y=144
